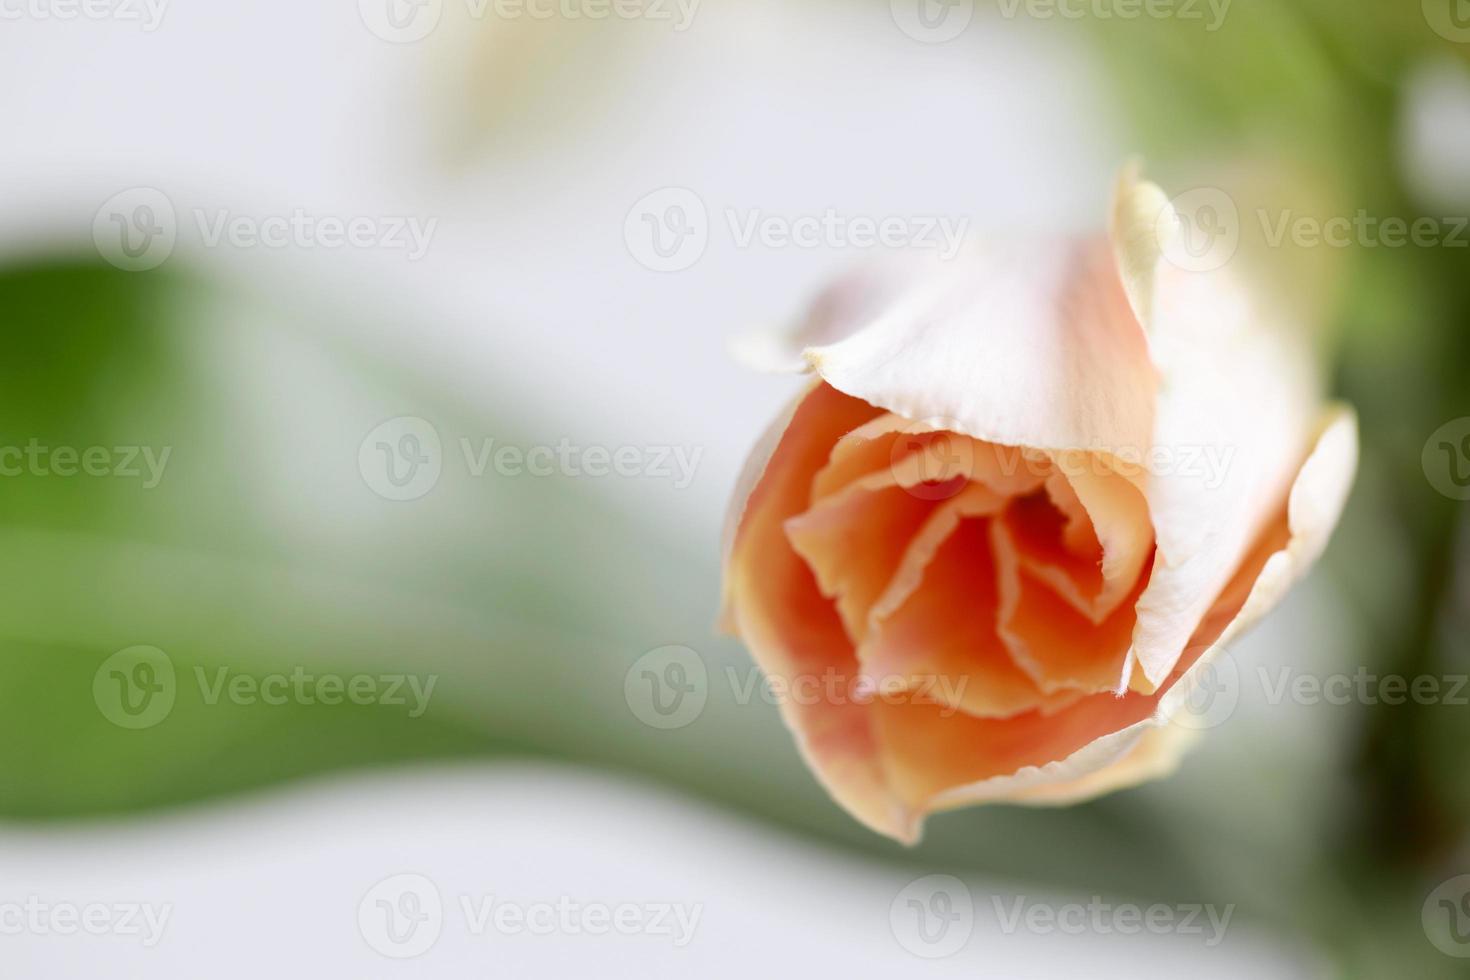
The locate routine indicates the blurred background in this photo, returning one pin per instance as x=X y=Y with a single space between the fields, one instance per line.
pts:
x=367 y=420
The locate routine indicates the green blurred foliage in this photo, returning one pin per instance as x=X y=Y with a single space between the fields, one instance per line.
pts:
x=1314 y=92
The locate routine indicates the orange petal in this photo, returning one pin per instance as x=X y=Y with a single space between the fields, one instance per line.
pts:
x=942 y=640
x=1055 y=643
x=789 y=627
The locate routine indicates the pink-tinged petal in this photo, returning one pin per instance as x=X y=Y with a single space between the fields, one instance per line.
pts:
x=1022 y=345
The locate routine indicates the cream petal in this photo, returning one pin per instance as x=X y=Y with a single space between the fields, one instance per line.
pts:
x=852 y=302
x=1119 y=519
x=1237 y=383
x=1313 y=508
x=1029 y=345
